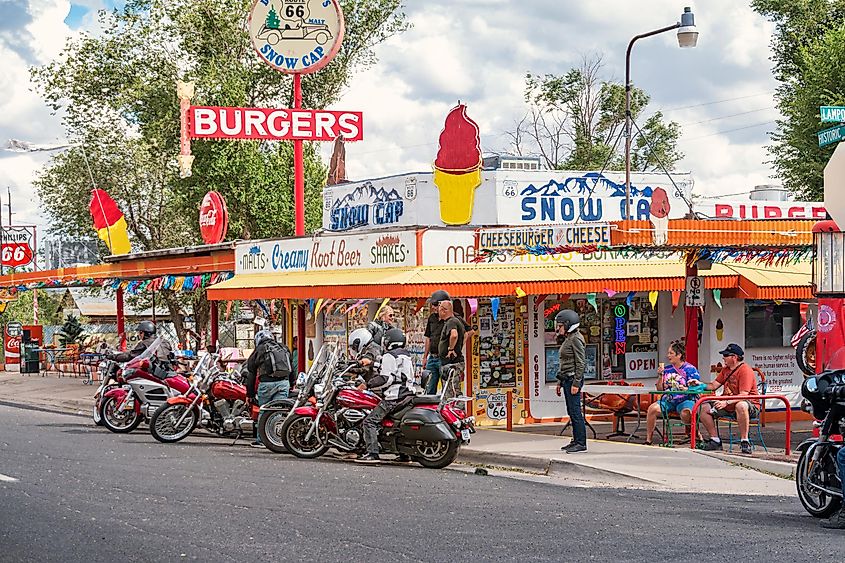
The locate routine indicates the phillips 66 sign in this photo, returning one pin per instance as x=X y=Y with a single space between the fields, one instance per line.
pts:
x=296 y=36
x=18 y=246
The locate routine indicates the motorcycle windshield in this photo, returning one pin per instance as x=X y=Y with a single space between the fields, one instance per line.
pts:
x=146 y=354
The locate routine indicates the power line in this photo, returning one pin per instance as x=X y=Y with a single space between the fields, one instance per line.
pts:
x=720 y=101
x=730 y=130
x=727 y=116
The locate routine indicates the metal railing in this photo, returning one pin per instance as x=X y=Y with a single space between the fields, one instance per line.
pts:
x=713 y=398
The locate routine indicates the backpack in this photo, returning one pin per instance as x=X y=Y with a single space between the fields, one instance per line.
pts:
x=276 y=358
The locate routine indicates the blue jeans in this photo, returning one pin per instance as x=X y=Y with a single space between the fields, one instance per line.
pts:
x=272 y=391
x=432 y=364
x=576 y=417
x=840 y=461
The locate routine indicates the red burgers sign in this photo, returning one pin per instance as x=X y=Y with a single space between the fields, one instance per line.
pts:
x=206 y=122
x=214 y=218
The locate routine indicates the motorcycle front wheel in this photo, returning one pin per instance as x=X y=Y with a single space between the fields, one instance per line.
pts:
x=95 y=414
x=294 y=432
x=117 y=420
x=165 y=426
x=817 y=503
x=270 y=425
x=437 y=455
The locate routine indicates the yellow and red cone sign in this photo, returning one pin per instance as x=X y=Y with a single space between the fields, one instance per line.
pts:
x=109 y=222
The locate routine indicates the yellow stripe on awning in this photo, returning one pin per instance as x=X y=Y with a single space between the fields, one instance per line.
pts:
x=470 y=280
x=791 y=281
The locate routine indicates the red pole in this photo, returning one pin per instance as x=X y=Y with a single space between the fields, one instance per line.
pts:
x=215 y=326
x=121 y=323
x=691 y=320
x=299 y=214
x=298 y=165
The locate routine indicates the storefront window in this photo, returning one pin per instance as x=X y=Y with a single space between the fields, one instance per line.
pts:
x=769 y=325
x=621 y=342
x=496 y=345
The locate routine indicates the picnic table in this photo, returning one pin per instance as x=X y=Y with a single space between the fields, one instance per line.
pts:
x=605 y=389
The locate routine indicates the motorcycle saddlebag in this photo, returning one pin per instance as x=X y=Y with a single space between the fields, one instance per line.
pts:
x=426 y=425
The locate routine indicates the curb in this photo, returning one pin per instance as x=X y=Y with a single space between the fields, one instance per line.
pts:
x=544 y=466
x=781 y=469
x=50 y=408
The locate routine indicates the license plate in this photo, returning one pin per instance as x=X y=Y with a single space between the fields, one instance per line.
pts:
x=465 y=435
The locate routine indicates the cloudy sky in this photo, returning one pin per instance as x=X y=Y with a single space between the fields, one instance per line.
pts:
x=477 y=52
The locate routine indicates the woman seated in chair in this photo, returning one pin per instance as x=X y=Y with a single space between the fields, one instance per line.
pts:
x=677 y=375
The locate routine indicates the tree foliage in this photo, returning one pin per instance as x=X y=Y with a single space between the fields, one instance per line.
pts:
x=116 y=92
x=809 y=62
x=575 y=120
x=72 y=331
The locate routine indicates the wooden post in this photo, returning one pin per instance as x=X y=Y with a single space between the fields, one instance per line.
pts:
x=121 y=322
x=215 y=323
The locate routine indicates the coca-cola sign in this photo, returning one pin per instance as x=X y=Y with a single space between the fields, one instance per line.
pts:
x=214 y=218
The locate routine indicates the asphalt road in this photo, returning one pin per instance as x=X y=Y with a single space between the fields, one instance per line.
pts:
x=84 y=494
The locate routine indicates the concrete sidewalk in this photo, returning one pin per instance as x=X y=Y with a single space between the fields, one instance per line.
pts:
x=606 y=463
x=622 y=465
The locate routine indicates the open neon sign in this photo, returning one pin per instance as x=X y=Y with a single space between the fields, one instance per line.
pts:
x=619 y=312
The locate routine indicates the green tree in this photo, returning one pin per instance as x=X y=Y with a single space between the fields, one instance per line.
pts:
x=272 y=19
x=809 y=63
x=575 y=119
x=117 y=95
x=72 y=331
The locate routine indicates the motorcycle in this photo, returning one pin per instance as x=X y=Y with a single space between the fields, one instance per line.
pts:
x=109 y=371
x=817 y=475
x=215 y=400
x=272 y=416
x=427 y=428
x=145 y=384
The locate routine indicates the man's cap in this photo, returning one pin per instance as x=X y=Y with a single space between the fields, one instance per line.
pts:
x=733 y=350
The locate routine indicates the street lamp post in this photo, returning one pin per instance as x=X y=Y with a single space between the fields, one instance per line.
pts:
x=687 y=37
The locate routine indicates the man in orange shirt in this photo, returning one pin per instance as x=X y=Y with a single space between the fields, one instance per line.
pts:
x=738 y=379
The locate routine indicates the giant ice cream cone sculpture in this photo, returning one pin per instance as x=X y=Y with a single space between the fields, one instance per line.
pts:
x=109 y=222
x=457 y=169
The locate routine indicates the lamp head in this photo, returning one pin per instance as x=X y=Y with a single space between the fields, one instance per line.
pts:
x=687 y=32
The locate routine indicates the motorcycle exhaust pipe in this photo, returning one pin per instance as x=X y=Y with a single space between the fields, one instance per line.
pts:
x=246 y=425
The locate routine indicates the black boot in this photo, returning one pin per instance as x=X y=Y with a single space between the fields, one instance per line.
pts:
x=837 y=521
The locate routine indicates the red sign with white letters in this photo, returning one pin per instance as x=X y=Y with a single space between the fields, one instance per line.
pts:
x=17 y=247
x=214 y=218
x=207 y=122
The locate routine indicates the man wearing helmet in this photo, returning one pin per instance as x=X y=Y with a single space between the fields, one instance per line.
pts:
x=395 y=370
x=365 y=351
x=570 y=375
x=146 y=336
x=269 y=365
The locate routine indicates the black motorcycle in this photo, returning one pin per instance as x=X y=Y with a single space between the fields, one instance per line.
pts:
x=817 y=474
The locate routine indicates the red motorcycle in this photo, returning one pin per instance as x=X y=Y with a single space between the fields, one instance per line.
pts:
x=144 y=384
x=215 y=400
x=425 y=427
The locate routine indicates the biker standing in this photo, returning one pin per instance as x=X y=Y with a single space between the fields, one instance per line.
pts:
x=395 y=369
x=270 y=365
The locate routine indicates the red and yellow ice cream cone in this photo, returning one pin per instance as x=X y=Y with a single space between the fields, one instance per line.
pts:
x=109 y=222
x=457 y=169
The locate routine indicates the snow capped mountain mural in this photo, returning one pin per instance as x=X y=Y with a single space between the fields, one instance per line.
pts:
x=589 y=184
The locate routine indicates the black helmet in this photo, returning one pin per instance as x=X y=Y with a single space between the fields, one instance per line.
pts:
x=568 y=318
x=393 y=338
x=438 y=296
x=147 y=327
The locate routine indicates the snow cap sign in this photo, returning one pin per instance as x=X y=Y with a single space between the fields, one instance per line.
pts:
x=214 y=218
x=296 y=36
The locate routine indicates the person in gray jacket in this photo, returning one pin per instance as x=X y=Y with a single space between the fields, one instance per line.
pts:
x=570 y=375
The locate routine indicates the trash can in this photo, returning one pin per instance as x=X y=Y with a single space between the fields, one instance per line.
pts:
x=29 y=357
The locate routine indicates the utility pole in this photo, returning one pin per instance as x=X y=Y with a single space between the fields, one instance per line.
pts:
x=9 y=193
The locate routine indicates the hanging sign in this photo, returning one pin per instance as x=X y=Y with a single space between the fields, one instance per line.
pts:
x=214 y=218
x=553 y=235
x=832 y=114
x=296 y=36
x=761 y=210
x=18 y=246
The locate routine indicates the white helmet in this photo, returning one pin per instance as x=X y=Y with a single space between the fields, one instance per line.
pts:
x=359 y=338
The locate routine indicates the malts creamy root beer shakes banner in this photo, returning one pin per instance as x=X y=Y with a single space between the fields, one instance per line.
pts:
x=374 y=250
x=504 y=197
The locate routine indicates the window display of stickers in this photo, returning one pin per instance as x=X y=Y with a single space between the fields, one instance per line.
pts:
x=415 y=331
x=334 y=324
x=496 y=346
x=627 y=329
x=591 y=329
